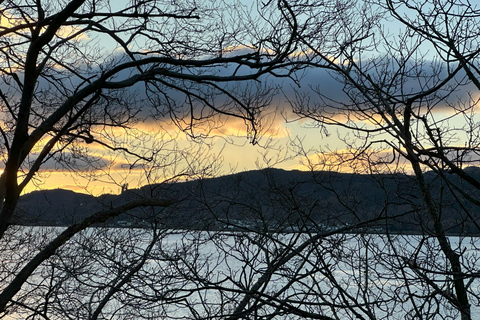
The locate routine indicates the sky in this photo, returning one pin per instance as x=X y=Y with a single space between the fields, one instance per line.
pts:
x=286 y=141
x=226 y=150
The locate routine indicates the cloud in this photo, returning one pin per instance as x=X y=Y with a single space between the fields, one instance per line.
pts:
x=364 y=161
x=68 y=162
x=325 y=92
x=8 y=20
x=316 y=91
x=316 y=88
x=270 y=125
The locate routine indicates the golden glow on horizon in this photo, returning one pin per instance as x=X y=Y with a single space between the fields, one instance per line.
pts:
x=229 y=134
x=8 y=21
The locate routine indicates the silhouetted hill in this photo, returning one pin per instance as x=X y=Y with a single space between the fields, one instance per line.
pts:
x=55 y=207
x=269 y=198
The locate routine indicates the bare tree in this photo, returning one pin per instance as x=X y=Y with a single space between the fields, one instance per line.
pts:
x=410 y=106
x=77 y=74
x=60 y=89
x=408 y=120
x=408 y=110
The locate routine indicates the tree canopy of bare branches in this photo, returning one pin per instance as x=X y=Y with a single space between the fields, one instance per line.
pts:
x=83 y=75
x=77 y=74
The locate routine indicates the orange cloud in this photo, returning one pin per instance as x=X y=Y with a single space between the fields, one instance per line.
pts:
x=8 y=20
x=355 y=161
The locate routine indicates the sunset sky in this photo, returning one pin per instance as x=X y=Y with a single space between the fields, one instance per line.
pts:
x=227 y=148
x=229 y=145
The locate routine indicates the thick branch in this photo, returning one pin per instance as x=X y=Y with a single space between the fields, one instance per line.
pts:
x=99 y=217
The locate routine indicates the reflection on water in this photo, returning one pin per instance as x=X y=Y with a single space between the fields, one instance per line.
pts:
x=123 y=273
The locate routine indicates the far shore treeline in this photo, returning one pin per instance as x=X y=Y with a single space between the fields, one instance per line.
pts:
x=269 y=200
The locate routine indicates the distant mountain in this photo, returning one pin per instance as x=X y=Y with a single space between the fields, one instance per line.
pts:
x=55 y=207
x=268 y=199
